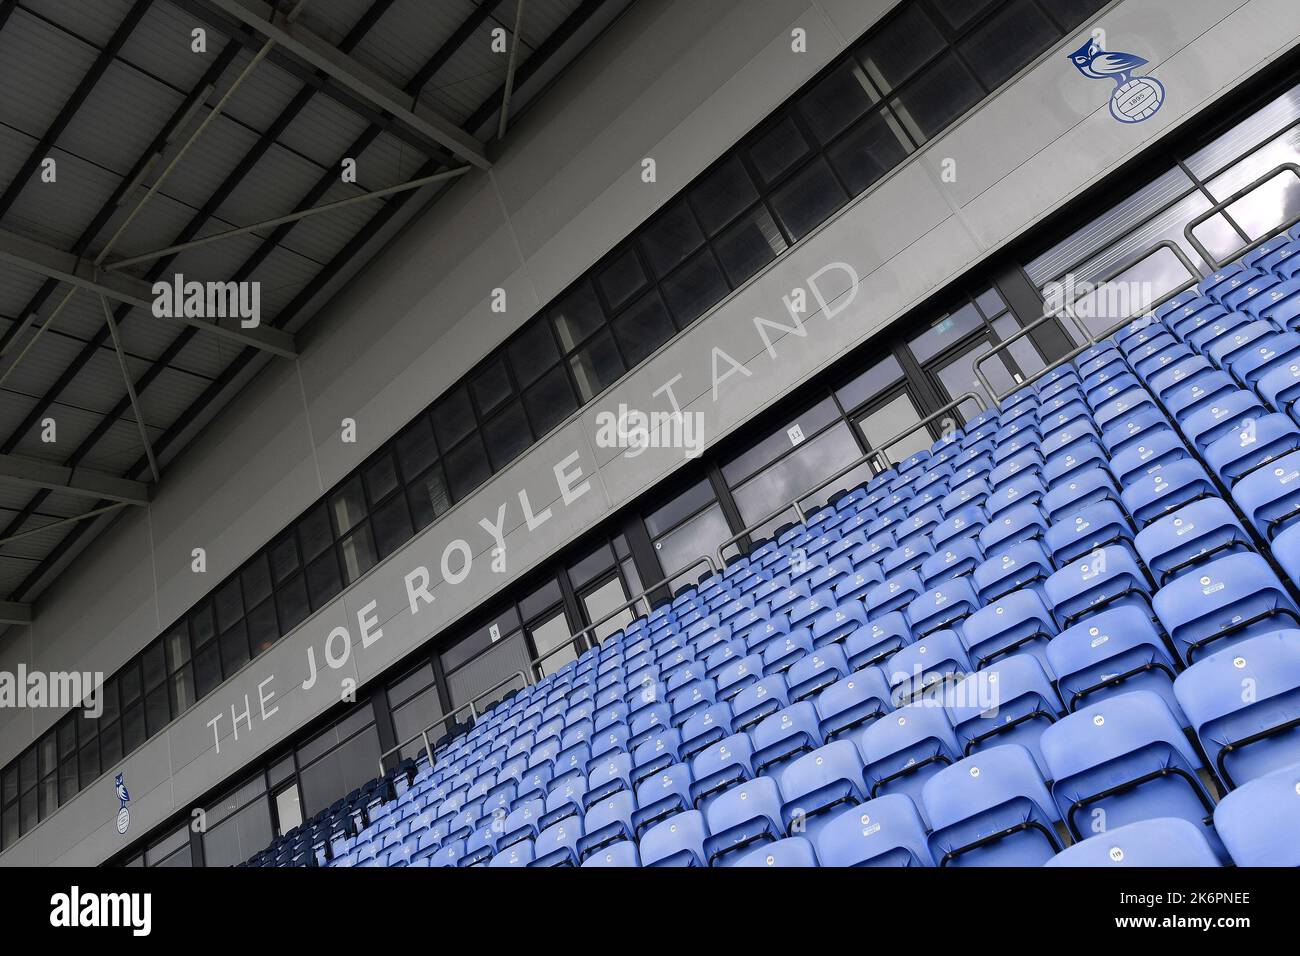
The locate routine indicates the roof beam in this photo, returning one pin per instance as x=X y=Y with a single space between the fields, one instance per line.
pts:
x=353 y=76
x=83 y=482
x=65 y=267
x=103 y=61
x=11 y=612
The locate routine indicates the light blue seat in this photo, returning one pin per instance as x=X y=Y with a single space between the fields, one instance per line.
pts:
x=676 y=841
x=991 y=809
x=1159 y=842
x=886 y=831
x=1244 y=704
x=1122 y=760
x=1259 y=820
x=790 y=852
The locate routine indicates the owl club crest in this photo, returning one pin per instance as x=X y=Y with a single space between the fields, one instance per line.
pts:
x=1135 y=98
x=123 y=814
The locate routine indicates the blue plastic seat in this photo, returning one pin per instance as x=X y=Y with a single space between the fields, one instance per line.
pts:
x=1107 y=577
x=1025 y=564
x=608 y=776
x=1286 y=550
x=823 y=667
x=851 y=588
x=879 y=639
x=886 y=831
x=790 y=852
x=1223 y=602
x=1009 y=702
x=1251 y=819
x=660 y=795
x=1121 y=760
x=759 y=700
x=1244 y=704
x=893 y=594
x=853 y=701
x=924 y=669
x=1159 y=842
x=744 y=815
x=1114 y=652
x=608 y=820
x=517 y=854
x=1162 y=491
x=1213 y=421
x=991 y=809
x=676 y=841
x=1022 y=522
x=1270 y=496
x=904 y=749
x=1185 y=539
x=1157 y=449
x=782 y=736
x=834 y=624
x=956 y=558
x=703 y=729
x=721 y=765
x=1092 y=526
x=617 y=854
x=941 y=607
x=1089 y=486
x=818 y=783
x=1124 y=430
x=448 y=854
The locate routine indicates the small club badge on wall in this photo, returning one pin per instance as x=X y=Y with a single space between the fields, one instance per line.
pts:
x=123 y=814
x=1135 y=98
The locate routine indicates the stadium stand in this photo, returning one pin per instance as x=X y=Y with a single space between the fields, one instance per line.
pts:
x=1071 y=674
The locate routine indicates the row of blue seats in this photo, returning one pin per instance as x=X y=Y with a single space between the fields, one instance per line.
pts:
x=1081 y=545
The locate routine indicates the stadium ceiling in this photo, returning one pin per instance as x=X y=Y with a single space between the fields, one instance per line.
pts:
x=222 y=165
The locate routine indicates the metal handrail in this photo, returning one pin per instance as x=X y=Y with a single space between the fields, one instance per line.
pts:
x=468 y=705
x=1006 y=343
x=574 y=639
x=1091 y=337
x=1222 y=207
x=877 y=454
x=577 y=639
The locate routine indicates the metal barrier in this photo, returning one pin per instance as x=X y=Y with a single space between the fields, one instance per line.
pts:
x=468 y=705
x=1090 y=337
x=1189 y=233
x=578 y=640
x=876 y=454
x=1222 y=207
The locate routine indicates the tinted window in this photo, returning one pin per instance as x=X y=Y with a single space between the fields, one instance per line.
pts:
x=939 y=96
x=834 y=103
x=642 y=328
x=722 y=194
x=999 y=48
x=903 y=46
x=671 y=237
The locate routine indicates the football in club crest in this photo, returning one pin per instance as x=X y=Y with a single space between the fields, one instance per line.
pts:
x=123 y=814
x=1135 y=98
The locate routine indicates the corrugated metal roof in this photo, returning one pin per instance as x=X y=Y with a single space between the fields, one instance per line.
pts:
x=275 y=147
